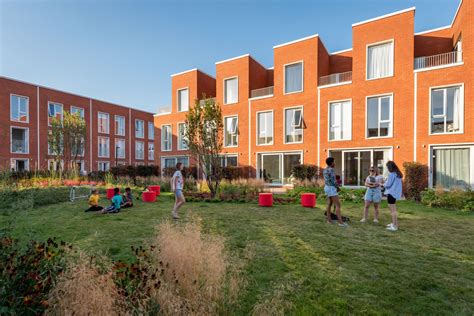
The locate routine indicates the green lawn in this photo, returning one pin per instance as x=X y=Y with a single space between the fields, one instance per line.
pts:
x=298 y=260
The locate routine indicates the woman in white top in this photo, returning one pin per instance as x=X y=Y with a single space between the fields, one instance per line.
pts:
x=373 y=194
x=177 y=184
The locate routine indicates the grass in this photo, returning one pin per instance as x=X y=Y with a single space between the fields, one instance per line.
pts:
x=298 y=262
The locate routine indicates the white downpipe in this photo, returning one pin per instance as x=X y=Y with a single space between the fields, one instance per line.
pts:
x=249 y=132
x=90 y=135
x=319 y=129
x=38 y=166
x=415 y=106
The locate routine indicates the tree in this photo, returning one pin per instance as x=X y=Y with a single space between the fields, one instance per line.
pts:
x=66 y=140
x=204 y=137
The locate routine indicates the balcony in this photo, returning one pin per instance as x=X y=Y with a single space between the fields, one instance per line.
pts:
x=263 y=92
x=438 y=60
x=336 y=78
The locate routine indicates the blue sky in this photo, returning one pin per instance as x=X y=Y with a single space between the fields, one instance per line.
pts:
x=125 y=51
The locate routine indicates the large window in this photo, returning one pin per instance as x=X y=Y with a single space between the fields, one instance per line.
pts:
x=151 y=151
x=77 y=110
x=170 y=162
x=19 y=140
x=229 y=161
x=452 y=167
x=294 y=125
x=379 y=116
x=20 y=164
x=231 y=131
x=139 y=128
x=265 y=128
x=294 y=77
x=183 y=100
x=103 y=122
x=380 y=60
x=55 y=149
x=151 y=131
x=340 y=120
x=104 y=147
x=103 y=166
x=55 y=110
x=119 y=125
x=231 y=90
x=277 y=168
x=182 y=144
x=120 y=148
x=139 y=150
x=19 y=108
x=166 y=138
x=447 y=110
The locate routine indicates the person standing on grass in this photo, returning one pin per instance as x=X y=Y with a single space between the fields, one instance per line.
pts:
x=177 y=184
x=393 y=189
x=373 y=194
x=331 y=188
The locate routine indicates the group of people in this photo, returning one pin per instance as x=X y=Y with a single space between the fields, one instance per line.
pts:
x=117 y=202
x=375 y=186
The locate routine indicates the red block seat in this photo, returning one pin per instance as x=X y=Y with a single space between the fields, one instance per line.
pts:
x=265 y=199
x=110 y=193
x=308 y=199
x=155 y=188
x=149 y=196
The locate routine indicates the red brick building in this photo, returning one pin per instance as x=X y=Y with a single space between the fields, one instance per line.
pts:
x=395 y=95
x=115 y=134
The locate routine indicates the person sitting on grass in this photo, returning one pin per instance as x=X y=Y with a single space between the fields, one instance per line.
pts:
x=127 y=198
x=116 y=202
x=94 y=202
x=331 y=188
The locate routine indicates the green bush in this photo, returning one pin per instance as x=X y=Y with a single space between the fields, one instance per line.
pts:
x=351 y=195
x=416 y=179
x=455 y=199
x=306 y=172
x=33 y=197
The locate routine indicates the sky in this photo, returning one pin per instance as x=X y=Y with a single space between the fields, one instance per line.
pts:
x=124 y=51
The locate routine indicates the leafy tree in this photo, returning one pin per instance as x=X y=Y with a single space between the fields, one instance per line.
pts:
x=66 y=139
x=204 y=137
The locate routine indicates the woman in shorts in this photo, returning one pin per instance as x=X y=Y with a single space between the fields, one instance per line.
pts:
x=331 y=188
x=393 y=189
x=177 y=184
x=374 y=183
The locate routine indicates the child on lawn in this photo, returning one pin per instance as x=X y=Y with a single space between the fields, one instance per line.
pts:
x=116 y=202
x=94 y=202
x=127 y=198
x=374 y=183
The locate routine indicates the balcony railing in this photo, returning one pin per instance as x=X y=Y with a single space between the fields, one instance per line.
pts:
x=438 y=60
x=335 y=78
x=164 y=110
x=261 y=92
x=203 y=101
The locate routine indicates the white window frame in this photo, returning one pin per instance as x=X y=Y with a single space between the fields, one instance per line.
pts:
x=27 y=108
x=14 y=160
x=151 y=129
x=170 y=140
x=103 y=162
x=225 y=90
x=27 y=129
x=98 y=147
x=302 y=123
x=142 y=136
x=226 y=156
x=175 y=158
x=62 y=111
x=258 y=127
x=433 y=147
x=180 y=137
x=116 y=130
x=390 y=134
x=461 y=123
x=143 y=150
x=302 y=77
x=80 y=110
x=236 y=132
x=329 y=120
x=117 y=140
x=99 y=120
x=178 y=105
x=367 y=58
x=152 y=152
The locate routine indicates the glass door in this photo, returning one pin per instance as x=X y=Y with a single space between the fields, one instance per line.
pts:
x=271 y=168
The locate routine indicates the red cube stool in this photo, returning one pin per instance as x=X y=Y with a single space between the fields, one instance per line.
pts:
x=110 y=193
x=308 y=200
x=149 y=196
x=265 y=199
x=155 y=188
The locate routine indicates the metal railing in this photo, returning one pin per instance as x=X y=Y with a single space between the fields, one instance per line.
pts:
x=203 y=101
x=261 y=92
x=335 y=78
x=164 y=110
x=19 y=146
x=438 y=60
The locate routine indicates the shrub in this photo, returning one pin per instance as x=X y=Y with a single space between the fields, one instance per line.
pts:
x=306 y=172
x=135 y=171
x=27 y=274
x=416 y=179
x=33 y=197
x=234 y=173
x=454 y=199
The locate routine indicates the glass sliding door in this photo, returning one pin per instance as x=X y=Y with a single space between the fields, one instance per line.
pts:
x=277 y=168
x=289 y=162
